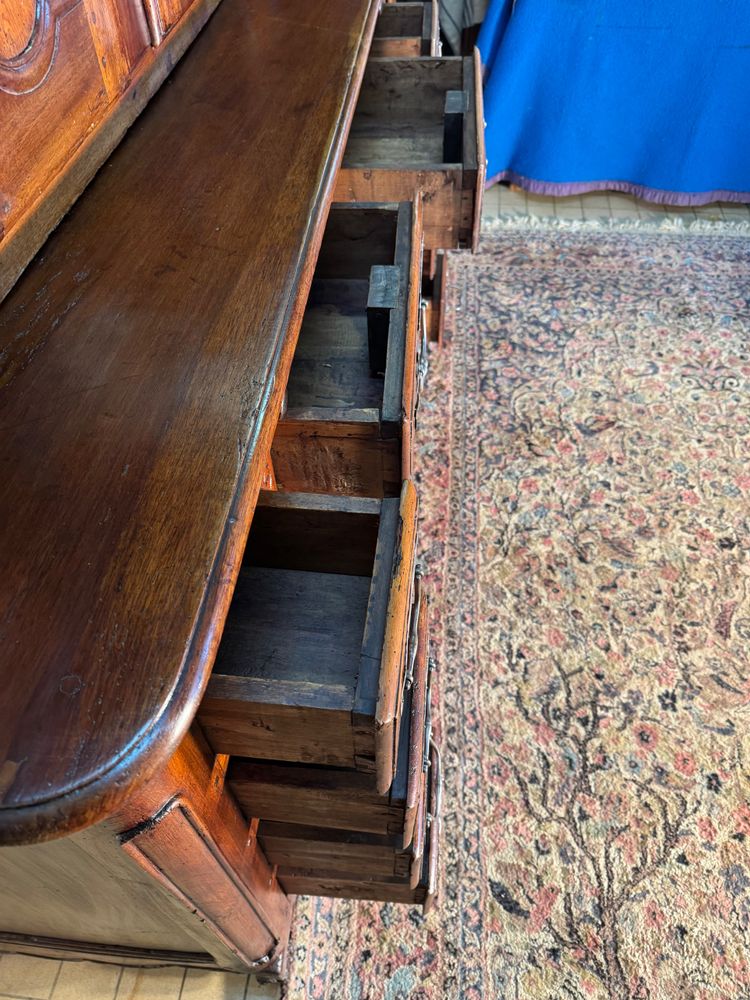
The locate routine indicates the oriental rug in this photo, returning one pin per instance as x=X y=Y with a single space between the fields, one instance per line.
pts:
x=585 y=477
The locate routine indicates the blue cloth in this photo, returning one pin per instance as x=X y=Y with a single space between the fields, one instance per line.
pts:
x=650 y=96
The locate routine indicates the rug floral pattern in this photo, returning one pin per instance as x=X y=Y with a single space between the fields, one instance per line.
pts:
x=585 y=474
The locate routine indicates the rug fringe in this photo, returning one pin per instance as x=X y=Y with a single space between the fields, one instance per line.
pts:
x=708 y=227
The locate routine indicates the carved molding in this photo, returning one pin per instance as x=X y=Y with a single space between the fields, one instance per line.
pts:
x=24 y=72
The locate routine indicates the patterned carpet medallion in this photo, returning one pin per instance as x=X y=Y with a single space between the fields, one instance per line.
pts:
x=585 y=473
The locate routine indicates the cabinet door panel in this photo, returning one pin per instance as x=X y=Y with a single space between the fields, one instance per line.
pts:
x=180 y=853
x=56 y=90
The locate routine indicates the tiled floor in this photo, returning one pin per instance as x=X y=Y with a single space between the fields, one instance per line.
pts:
x=502 y=201
x=25 y=978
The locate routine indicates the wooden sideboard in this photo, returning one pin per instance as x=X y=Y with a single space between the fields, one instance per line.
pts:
x=147 y=353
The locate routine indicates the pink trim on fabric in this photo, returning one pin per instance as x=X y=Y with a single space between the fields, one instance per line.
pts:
x=656 y=195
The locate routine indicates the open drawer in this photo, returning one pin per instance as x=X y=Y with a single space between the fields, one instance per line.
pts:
x=434 y=288
x=312 y=660
x=418 y=127
x=346 y=799
x=407 y=29
x=351 y=394
x=418 y=885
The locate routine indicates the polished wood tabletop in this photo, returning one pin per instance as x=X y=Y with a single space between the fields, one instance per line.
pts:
x=142 y=359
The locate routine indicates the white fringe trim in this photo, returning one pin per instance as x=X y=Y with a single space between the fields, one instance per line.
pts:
x=670 y=225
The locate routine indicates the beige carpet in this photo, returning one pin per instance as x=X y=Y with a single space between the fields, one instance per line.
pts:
x=585 y=473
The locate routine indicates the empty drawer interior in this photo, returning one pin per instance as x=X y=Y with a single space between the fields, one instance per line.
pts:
x=310 y=666
x=400 y=20
x=350 y=351
x=410 y=113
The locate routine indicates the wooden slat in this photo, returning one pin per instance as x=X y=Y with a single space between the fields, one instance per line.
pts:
x=391 y=676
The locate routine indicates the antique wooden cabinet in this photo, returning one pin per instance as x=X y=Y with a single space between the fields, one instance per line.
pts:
x=182 y=654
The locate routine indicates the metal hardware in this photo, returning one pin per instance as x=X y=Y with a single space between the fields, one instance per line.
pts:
x=413 y=626
x=423 y=361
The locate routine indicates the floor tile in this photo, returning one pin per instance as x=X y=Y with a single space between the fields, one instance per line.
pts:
x=595 y=213
x=87 y=981
x=204 y=985
x=490 y=202
x=512 y=200
x=22 y=975
x=262 y=991
x=735 y=212
x=151 y=984
x=568 y=209
x=619 y=200
x=595 y=200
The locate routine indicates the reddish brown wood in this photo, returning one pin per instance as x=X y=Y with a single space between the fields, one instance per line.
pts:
x=345 y=430
x=321 y=850
x=392 y=666
x=190 y=837
x=397 y=145
x=319 y=796
x=56 y=84
x=145 y=354
x=102 y=49
x=419 y=709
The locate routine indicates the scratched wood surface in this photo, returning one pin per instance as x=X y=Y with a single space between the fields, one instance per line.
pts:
x=142 y=361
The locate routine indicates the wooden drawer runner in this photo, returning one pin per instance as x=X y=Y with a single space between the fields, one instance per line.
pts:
x=418 y=127
x=346 y=799
x=419 y=885
x=312 y=660
x=407 y=30
x=348 y=423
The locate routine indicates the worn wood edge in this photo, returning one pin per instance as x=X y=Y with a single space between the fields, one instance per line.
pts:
x=29 y=235
x=434 y=19
x=391 y=664
x=412 y=320
x=392 y=407
x=435 y=826
x=365 y=422
x=227 y=691
x=68 y=949
x=196 y=777
x=418 y=720
x=281 y=500
x=151 y=748
x=142 y=858
x=420 y=833
x=480 y=150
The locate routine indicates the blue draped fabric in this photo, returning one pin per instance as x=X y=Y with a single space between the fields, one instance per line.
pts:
x=647 y=96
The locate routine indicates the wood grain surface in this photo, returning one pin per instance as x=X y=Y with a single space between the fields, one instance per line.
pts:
x=144 y=354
